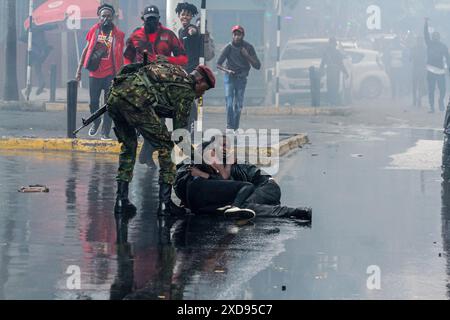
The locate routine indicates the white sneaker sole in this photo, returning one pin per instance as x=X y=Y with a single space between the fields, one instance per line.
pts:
x=239 y=214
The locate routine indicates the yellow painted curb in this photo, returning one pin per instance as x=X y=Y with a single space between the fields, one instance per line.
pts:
x=113 y=147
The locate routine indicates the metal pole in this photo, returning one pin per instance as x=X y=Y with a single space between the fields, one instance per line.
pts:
x=277 y=66
x=72 y=93
x=77 y=48
x=203 y=30
x=202 y=61
x=30 y=47
x=173 y=23
x=53 y=83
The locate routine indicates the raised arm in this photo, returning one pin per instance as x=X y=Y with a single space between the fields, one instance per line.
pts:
x=426 y=33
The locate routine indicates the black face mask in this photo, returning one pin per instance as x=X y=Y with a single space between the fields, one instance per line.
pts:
x=107 y=26
x=151 y=25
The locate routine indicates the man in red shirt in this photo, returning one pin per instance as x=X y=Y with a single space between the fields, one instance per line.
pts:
x=154 y=39
x=103 y=57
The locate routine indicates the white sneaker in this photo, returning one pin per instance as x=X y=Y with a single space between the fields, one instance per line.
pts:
x=239 y=214
x=105 y=138
x=94 y=130
x=224 y=208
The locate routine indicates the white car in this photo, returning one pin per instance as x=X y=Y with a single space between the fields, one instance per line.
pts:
x=367 y=78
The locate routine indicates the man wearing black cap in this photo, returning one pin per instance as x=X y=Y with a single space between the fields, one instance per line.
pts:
x=103 y=58
x=139 y=98
x=154 y=39
x=240 y=56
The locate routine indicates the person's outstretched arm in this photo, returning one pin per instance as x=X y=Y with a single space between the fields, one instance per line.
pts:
x=426 y=33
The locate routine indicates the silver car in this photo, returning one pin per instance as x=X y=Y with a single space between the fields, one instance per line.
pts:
x=367 y=77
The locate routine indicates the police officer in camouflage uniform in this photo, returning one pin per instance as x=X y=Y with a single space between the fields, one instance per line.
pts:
x=140 y=96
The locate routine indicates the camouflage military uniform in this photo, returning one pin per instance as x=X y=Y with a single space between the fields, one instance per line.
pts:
x=139 y=97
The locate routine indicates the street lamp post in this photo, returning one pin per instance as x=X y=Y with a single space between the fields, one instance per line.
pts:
x=30 y=48
x=277 y=66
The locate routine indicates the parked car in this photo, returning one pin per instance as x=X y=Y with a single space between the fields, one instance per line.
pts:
x=367 y=77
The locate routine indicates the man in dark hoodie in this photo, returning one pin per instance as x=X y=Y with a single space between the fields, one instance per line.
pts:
x=436 y=61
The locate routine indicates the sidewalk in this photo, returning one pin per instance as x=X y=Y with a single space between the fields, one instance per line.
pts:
x=40 y=104
x=46 y=131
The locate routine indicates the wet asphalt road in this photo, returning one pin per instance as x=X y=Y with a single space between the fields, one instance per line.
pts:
x=376 y=198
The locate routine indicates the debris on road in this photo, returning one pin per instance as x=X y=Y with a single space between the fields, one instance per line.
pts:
x=34 y=189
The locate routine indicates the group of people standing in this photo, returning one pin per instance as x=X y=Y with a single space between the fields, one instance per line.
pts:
x=162 y=78
x=106 y=52
x=429 y=59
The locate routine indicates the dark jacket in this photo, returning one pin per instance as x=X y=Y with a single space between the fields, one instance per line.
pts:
x=236 y=61
x=437 y=51
x=239 y=172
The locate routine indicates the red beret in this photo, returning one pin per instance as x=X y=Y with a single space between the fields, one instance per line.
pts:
x=207 y=73
x=238 y=28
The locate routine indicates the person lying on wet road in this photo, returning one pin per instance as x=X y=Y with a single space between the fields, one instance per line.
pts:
x=213 y=184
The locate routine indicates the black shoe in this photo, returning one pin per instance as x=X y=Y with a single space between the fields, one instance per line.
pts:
x=123 y=206
x=236 y=213
x=301 y=214
x=166 y=205
x=40 y=90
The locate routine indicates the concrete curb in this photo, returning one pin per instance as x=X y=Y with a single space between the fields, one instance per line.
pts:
x=113 y=147
x=22 y=106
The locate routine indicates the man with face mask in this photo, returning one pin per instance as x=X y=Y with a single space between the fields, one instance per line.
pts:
x=103 y=57
x=154 y=39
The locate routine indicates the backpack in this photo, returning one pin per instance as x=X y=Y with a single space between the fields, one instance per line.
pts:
x=100 y=51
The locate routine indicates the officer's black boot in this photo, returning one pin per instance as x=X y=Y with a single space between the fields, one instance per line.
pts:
x=123 y=205
x=166 y=205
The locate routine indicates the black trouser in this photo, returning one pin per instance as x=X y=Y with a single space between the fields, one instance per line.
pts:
x=418 y=87
x=96 y=85
x=265 y=201
x=39 y=75
x=432 y=79
x=395 y=76
x=333 y=85
x=205 y=196
x=268 y=194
